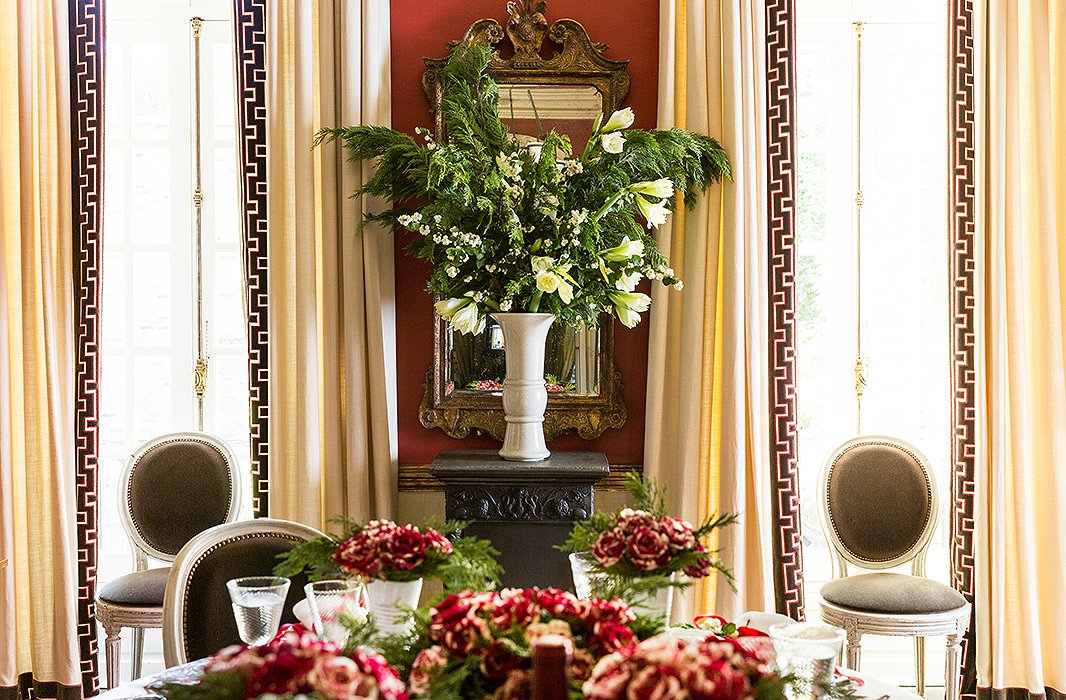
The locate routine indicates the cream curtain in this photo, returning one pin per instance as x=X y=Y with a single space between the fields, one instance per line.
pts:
x=38 y=615
x=707 y=412
x=1020 y=528
x=332 y=375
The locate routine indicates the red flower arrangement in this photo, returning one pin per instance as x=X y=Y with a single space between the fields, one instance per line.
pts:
x=669 y=667
x=649 y=543
x=638 y=550
x=385 y=550
x=383 y=547
x=478 y=643
x=294 y=663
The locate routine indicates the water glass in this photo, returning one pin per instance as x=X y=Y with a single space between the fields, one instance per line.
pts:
x=257 y=605
x=807 y=652
x=329 y=602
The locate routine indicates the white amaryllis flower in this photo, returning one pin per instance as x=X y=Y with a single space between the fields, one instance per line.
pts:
x=547 y=282
x=627 y=283
x=541 y=263
x=622 y=119
x=655 y=213
x=663 y=187
x=566 y=291
x=447 y=307
x=462 y=314
x=629 y=306
x=624 y=250
x=468 y=320
x=613 y=142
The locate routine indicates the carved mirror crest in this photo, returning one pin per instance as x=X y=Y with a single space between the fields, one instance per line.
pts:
x=565 y=91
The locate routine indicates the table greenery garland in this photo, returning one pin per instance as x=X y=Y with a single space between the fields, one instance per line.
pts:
x=506 y=227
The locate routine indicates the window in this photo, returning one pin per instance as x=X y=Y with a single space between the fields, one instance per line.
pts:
x=149 y=341
x=872 y=268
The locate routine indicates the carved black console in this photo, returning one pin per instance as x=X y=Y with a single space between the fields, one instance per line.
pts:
x=524 y=508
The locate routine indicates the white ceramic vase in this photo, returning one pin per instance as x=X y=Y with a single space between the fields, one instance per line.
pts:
x=524 y=394
x=390 y=601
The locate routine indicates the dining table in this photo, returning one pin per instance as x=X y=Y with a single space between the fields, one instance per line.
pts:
x=869 y=687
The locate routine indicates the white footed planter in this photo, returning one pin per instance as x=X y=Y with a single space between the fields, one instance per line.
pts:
x=385 y=598
x=524 y=394
x=658 y=604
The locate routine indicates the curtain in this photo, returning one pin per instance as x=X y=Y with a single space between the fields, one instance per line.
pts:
x=708 y=412
x=1020 y=528
x=38 y=537
x=332 y=429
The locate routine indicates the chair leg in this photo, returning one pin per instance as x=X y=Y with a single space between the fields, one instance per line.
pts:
x=112 y=653
x=137 y=651
x=853 y=648
x=919 y=665
x=953 y=664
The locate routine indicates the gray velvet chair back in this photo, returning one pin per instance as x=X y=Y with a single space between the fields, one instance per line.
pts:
x=878 y=504
x=197 y=614
x=176 y=486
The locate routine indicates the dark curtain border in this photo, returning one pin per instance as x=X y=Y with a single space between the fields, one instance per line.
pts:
x=780 y=142
x=250 y=44
x=86 y=41
x=1018 y=694
x=963 y=303
x=29 y=688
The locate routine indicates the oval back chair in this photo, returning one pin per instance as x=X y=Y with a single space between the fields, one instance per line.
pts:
x=879 y=510
x=197 y=613
x=172 y=487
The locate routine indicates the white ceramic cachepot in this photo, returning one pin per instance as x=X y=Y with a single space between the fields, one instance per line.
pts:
x=658 y=604
x=390 y=601
x=524 y=394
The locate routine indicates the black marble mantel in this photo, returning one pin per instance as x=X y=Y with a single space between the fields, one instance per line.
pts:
x=524 y=508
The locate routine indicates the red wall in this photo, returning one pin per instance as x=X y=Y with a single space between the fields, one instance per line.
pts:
x=422 y=28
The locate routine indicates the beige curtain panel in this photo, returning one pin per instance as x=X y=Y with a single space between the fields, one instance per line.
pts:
x=1020 y=529
x=707 y=411
x=332 y=329
x=38 y=615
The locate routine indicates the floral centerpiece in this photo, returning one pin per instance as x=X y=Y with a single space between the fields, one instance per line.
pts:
x=507 y=228
x=514 y=230
x=392 y=560
x=476 y=645
x=294 y=664
x=670 y=667
x=637 y=552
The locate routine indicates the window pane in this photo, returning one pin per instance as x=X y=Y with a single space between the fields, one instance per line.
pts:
x=151 y=301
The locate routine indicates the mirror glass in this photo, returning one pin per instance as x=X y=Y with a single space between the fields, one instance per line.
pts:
x=475 y=363
x=571 y=362
x=531 y=111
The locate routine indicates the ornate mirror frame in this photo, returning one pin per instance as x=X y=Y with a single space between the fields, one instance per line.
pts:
x=577 y=62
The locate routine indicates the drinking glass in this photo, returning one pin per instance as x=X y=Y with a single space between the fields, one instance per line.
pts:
x=807 y=652
x=257 y=605
x=329 y=602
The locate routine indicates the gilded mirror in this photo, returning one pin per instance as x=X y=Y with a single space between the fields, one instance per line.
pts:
x=566 y=92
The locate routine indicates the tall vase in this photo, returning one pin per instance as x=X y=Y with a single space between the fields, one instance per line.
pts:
x=388 y=602
x=524 y=394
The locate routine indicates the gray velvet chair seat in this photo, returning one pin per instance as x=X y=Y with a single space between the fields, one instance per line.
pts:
x=141 y=588
x=890 y=593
